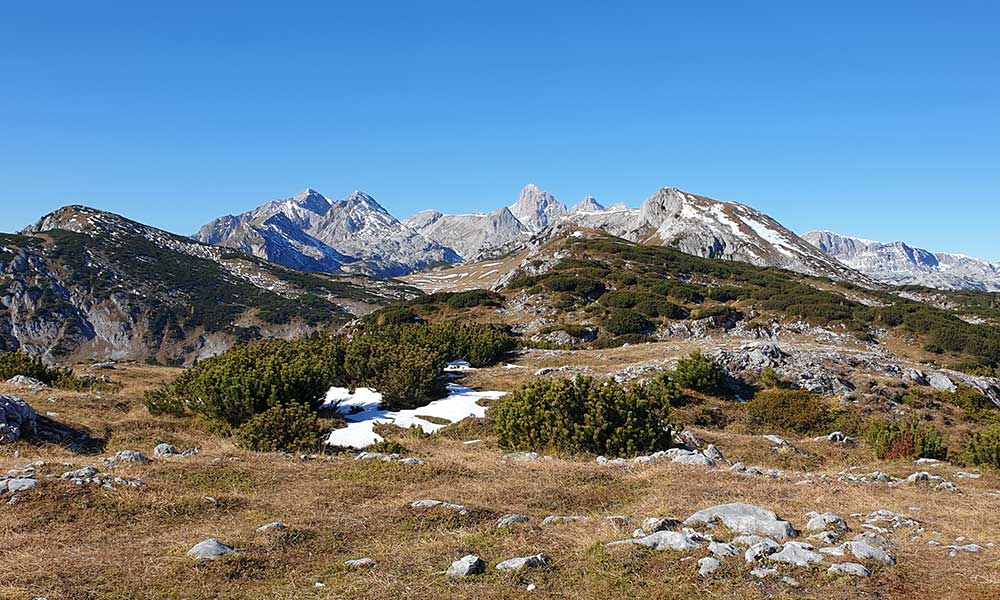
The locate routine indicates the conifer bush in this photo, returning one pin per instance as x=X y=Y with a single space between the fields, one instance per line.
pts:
x=582 y=415
x=699 y=372
x=283 y=427
x=905 y=439
x=796 y=411
x=983 y=447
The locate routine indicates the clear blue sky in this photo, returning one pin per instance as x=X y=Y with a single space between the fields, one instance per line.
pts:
x=879 y=119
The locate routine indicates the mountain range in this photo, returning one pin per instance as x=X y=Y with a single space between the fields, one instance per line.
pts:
x=898 y=263
x=356 y=234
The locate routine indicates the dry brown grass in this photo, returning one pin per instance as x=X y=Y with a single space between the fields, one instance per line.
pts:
x=63 y=541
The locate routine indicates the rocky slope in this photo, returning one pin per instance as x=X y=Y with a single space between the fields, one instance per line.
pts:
x=311 y=232
x=714 y=229
x=472 y=236
x=901 y=264
x=87 y=284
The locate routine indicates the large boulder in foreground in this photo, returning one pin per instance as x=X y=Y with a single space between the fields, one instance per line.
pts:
x=744 y=518
x=17 y=419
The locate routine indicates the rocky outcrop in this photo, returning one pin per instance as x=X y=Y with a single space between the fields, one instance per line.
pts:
x=17 y=419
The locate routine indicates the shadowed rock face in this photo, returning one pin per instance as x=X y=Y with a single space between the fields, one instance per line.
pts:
x=311 y=232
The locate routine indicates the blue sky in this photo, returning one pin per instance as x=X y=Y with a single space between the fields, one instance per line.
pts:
x=878 y=119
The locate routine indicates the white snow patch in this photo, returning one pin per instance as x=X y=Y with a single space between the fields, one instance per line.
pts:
x=460 y=403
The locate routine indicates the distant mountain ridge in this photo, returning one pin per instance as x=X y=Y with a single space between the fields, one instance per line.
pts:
x=898 y=263
x=357 y=235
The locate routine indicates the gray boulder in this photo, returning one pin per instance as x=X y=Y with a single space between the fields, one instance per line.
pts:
x=744 y=518
x=825 y=521
x=722 y=550
x=12 y=485
x=523 y=562
x=466 y=566
x=663 y=540
x=762 y=549
x=165 y=450
x=799 y=554
x=209 y=549
x=941 y=382
x=28 y=382
x=17 y=419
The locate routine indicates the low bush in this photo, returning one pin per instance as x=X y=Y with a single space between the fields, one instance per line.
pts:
x=795 y=411
x=22 y=363
x=623 y=321
x=288 y=427
x=387 y=447
x=983 y=447
x=905 y=439
x=582 y=415
x=699 y=372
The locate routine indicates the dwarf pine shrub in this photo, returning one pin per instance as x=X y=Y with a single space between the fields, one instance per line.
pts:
x=582 y=415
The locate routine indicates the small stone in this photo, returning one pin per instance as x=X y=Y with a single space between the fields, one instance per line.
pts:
x=553 y=519
x=275 y=526
x=663 y=540
x=707 y=565
x=722 y=550
x=823 y=521
x=511 y=520
x=165 y=450
x=209 y=549
x=849 y=568
x=799 y=554
x=762 y=572
x=360 y=563
x=466 y=566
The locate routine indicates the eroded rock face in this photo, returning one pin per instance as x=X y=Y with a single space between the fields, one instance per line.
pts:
x=744 y=518
x=17 y=419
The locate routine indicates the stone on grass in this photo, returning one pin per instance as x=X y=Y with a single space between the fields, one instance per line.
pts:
x=165 y=450
x=523 y=562
x=209 y=549
x=744 y=518
x=865 y=551
x=825 y=521
x=663 y=540
x=762 y=572
x=761 y=549
x=554 y=519
x=360 y=563
x=466 y=566
x=511 y=520
x=654 y=524
x=707 y=565
x=126 y=456
x=799 y=554
x=722 y=550
x=439 y=504
x=849 y=568
x=273 y=526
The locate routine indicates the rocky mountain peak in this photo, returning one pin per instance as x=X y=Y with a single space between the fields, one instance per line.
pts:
x=536 y=208
x=588 y=204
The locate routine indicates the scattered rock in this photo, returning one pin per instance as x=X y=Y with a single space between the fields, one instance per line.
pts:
x=511 y=520
x=17 y=419
x=707 y=565
x=954 y=550
x=360 y=563
x=209 y=549
x=551 y=519
x=523 y=562
x=799 y=554
x=439 y=504
x=761 y=549
x=663 y=540
x=467 y=566
x=126 y=456
x=849 y=568
x=28 y=382
x=762 y=572
x=274 y=526
x=12 y=485
x=744 y=518
x=654 y=524
x=824 y=521
x=722 y=550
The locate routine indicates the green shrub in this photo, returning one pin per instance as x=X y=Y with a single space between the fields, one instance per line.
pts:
x=471 y=298
x=622 y=321
x=905 y=439
x=983 y=447
x=249 y=379
x=288 y=427
x=581 y=415
x=700 y=373
x=22 y=363
x=794 y=411
x=392 y=315
x=978 y=408
x=387 y=447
